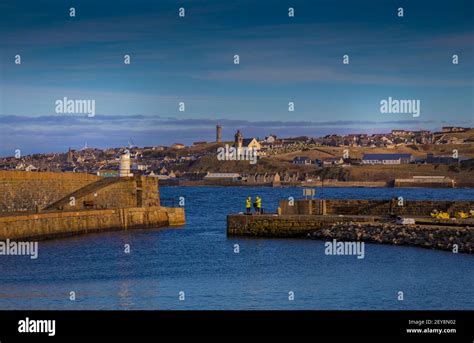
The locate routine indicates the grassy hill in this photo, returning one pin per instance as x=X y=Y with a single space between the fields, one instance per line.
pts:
x=468 y=135
x=419 y=151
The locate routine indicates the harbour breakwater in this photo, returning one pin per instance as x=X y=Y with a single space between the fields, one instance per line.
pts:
x=57 y=204
x=453 y=238
x=353 y=228
x=26 y=191
x=362 y=220
x=60 y=224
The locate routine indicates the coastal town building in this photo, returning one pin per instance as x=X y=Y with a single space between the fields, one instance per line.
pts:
x=178 y=146
x=386 y=158
x=270 y=139
x=401 y=133
x=301 y=160
x=247 y=145
x=140 y=167
x=251 y=143
x=262 y=178
x=449 y=129
x=333 y=161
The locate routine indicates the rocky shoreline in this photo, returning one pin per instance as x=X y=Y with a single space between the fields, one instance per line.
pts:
x=426 y=233
x=431 y=237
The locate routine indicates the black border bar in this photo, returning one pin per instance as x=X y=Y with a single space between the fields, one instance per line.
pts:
x=242 y=323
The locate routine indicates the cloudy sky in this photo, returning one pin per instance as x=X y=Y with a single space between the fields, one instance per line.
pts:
x=190 y=60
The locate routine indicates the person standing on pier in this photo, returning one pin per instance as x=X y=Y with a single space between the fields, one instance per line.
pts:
x=258 y=201
x=248 y=205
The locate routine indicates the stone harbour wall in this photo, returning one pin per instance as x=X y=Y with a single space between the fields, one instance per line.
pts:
x=113 y=192
x=58 y=224
x=24 y=191
x=46 y=205
x=268 y=225
x=352 y=228
x=29 y=191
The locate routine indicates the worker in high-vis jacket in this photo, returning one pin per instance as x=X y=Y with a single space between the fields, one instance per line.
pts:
x=248 y=204
x=258 y=200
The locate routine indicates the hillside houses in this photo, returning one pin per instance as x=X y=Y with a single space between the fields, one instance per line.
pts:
x=451 y=129
x=162 y=160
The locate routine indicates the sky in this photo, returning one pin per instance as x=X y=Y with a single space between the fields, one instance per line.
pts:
x=191 y=59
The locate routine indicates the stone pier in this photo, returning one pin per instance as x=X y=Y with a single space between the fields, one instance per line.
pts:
x=362 y=220
x=47 y=205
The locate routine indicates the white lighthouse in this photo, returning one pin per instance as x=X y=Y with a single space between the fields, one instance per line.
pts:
x=124 y=168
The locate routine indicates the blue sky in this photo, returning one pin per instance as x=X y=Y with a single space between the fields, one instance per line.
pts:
x=190 y=59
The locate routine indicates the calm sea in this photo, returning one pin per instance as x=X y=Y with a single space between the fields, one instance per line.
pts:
x=199 y=261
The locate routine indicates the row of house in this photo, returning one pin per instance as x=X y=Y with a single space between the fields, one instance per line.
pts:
x=331 y=161
x=249 y=178
x=373 y=159
x=387 y=158
x=453 y=129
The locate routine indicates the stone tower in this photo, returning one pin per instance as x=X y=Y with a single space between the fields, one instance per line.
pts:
x=70 y=157
x=238 y=139
x=218 y=134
